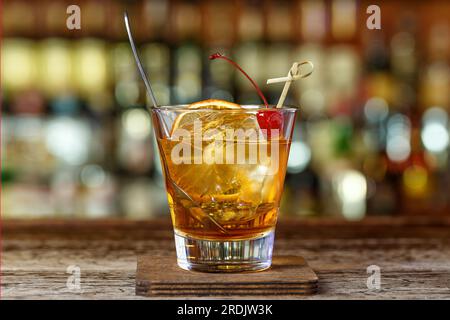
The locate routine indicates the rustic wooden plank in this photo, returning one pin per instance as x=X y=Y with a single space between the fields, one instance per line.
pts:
x=414 y=263
x=371 y=227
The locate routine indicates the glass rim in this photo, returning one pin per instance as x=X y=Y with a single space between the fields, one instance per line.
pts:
x=246 y=108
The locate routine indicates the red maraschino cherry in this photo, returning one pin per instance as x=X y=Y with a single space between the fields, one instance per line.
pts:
x=269 y=118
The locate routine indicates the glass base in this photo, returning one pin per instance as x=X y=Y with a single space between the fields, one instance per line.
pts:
x=225 y=256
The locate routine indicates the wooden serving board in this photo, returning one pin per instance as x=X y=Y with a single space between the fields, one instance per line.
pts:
x=160 y=276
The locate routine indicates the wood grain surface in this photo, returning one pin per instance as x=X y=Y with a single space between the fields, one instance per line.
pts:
x=413 y=255
x=160 y=276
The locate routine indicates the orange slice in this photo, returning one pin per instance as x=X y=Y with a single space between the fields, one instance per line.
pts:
x=214 y=104
x=186 y=119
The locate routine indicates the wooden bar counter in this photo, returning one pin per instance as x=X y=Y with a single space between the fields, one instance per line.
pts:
x=413 y=255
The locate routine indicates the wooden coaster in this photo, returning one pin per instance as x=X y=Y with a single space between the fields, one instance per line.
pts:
x=160 y=276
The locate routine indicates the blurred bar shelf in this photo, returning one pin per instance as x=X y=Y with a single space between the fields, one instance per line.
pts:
x=78 y=143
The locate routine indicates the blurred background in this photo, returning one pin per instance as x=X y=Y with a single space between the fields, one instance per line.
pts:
x=372 y=136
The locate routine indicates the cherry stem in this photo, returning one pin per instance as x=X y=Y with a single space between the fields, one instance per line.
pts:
x=221 y=56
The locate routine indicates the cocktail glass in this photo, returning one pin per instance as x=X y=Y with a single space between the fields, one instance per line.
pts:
x=224 y=177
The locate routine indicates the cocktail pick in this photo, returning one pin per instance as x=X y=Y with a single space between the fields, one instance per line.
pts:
x=294 y=74
x=138 y=61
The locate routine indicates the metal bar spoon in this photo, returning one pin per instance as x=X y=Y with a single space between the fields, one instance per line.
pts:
x=197 y=213
x=138 y=61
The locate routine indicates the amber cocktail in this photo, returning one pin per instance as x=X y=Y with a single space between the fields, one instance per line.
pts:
x=224 y=172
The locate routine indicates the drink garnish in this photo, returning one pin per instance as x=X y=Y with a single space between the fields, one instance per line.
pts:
x=258 y=90
x=293 y=74
x=268 y=119
x=186 y=119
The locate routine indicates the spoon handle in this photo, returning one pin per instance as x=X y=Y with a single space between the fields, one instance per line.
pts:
x=138 y=60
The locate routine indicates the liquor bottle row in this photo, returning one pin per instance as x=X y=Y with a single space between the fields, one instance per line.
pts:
x=393 y=164
x=372 y=136
x=215 y=22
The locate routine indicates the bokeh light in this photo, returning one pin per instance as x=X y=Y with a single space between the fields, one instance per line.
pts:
x=435 y=132
x=299 y=157
x=398 y=144
x=137 y=123
x=68 y=140
x=351 y=187
x=376 y=109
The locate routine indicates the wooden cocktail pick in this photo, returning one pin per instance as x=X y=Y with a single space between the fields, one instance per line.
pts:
x=293 y=74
